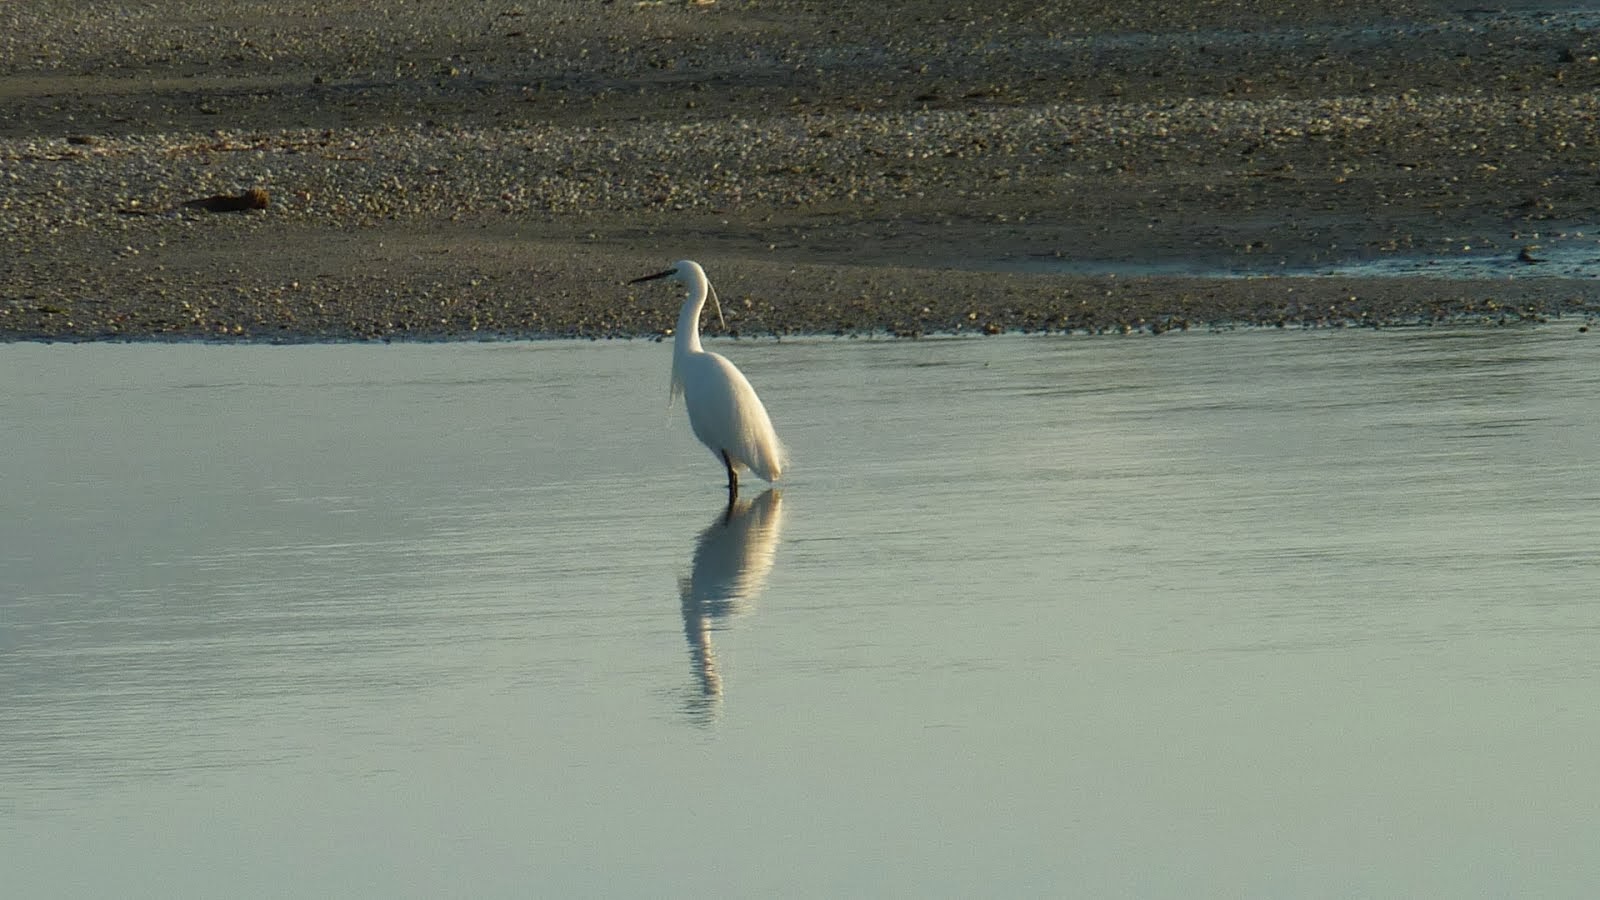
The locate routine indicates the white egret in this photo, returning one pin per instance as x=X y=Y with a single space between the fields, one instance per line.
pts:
x=724 y=411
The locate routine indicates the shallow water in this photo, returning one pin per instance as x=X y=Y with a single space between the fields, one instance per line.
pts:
x=1561 y=254
x=1255 y=613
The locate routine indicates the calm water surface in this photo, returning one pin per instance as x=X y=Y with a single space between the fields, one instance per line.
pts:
x=1249 y=614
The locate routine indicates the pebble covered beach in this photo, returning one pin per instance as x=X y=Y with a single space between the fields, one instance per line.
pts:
x=440 y=170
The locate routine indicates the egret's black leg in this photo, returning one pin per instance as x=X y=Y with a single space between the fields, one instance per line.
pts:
x=733 y=477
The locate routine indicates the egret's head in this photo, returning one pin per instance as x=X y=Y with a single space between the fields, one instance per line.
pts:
x=687 y=271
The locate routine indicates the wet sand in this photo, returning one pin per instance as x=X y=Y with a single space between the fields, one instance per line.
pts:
x=438 y=172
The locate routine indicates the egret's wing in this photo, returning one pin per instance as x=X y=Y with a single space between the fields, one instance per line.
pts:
x=727 y=414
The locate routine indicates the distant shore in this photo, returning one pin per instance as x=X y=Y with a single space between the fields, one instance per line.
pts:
x=501 y=172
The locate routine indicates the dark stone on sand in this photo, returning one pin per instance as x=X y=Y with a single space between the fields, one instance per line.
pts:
x=255 y=198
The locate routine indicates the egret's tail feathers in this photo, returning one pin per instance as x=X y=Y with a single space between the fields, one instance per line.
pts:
x=765 y=460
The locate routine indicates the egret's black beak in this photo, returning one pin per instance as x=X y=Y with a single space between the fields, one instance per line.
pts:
x=655 y=276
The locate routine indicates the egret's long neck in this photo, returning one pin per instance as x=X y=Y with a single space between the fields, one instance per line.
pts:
x=688 y=339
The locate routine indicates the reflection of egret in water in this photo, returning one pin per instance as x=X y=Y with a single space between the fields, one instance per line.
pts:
x=732 y=559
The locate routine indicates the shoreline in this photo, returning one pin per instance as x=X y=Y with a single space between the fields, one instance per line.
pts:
x=499 y=287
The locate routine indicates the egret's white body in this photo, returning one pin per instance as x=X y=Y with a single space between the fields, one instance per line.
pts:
x=724 y=411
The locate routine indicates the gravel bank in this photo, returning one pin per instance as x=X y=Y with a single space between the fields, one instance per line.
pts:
x=500 y=170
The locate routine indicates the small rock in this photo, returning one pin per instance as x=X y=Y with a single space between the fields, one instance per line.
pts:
x=255 y=198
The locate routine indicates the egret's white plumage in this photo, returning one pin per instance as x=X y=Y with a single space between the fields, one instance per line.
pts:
x=724 y=411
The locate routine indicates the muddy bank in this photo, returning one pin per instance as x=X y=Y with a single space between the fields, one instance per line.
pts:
x=457 y=173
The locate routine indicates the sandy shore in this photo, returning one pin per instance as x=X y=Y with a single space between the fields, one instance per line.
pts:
x=440 y=171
